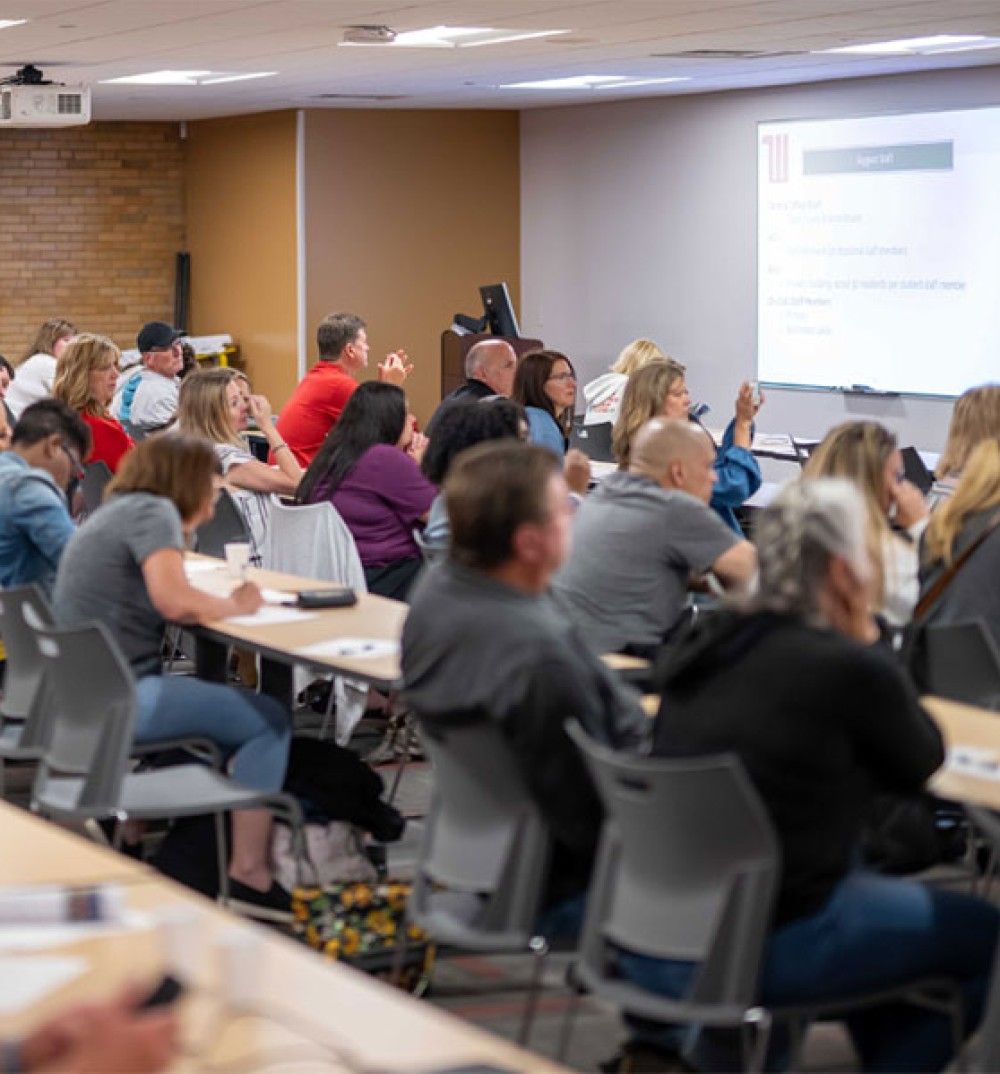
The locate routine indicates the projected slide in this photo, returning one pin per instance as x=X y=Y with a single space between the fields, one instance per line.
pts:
x=878 y=252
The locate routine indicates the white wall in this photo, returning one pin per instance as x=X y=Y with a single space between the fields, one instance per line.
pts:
x=638 y=219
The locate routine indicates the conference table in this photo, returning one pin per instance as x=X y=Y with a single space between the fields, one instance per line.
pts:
x=361 y=642
x=286 y=1009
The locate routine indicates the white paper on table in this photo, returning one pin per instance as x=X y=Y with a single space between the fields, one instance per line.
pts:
x=279 y=596
x=270 y=616
x=974 y=761
x=36 y=937
x=370 y=648
x=202 y=566
x=29 y=978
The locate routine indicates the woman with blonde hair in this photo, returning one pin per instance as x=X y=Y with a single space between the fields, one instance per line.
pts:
x=968 y=516
x=37 y=369
x=975 y=417
x=867 y=454
x=604 y=394
x=86 y=376
x=211 y=405
x=658 y=389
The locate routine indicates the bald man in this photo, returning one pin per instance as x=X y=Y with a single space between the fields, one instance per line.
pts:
x=640 y=537
x=489 y=370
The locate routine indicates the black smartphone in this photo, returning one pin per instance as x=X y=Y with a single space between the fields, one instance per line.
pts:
x=343 y=597
x=169 y=990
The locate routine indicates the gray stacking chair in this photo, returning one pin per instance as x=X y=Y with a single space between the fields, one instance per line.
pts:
x=984 y=1057
x=687 y=869
x=963 y=663
x=225 y=526
x=22 y=731
x=484 y=859
x=96 y=476
x=84 y=772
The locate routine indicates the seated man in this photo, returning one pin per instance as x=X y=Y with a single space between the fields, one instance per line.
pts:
x=483 y=640
x=821 y=717
x=641 y=535
x=47 y=447
x=489 y=370
x=321 y=395
x=146 y=399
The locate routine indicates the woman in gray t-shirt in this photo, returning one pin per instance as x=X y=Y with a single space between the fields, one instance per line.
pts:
x=125 y=567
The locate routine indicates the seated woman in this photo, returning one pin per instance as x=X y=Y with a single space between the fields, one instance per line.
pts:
x=368 y=468
x=659 y=389
x=866 y=454
x=604 y=393
x=966 y=517
x=85 y=380
x=460 y=426
x=975 y=417
x=125 y=568
x=821 y=718
x=212 y=405
x=545 y=385
x=37 y=369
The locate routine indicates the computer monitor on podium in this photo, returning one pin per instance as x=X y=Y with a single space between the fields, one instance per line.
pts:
x=499 y=310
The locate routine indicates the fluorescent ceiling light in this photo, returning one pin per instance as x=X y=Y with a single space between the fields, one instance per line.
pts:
x=453 y=37
x=6 y=24
x=237 y=78
x=184 y=78
x=923 y=46
x=570 y=82
x=643 y=82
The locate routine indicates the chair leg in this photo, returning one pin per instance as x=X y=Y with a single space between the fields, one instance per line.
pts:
x=759 y=1019
x=408 y=734
x=566 y=1032
x=327 y=715
x=222 y=853
x=539 y=948
x=399 y=958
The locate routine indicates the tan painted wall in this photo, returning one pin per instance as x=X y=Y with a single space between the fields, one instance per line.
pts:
x=240 y=180
x=407 y=213
x=91 y=219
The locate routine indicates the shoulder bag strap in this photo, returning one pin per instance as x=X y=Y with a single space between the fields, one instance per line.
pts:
x=932 y=595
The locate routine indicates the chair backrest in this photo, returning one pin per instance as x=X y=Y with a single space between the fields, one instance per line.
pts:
x=91 y=702
x=22 y=609
x=593 y=440
x=963 y=663
x=687 y=868
x=225 y=526
x=483 y=834
x=312 y=540
x=96 y=476
x=803 y=449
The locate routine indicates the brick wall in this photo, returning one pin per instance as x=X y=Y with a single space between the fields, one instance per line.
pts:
x=90 y=220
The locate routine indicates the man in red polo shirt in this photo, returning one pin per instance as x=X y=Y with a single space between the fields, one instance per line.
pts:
x=322 y=394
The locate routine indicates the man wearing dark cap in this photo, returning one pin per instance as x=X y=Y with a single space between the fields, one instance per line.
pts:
x=147 y=399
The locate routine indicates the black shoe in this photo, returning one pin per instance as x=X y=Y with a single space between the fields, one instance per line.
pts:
x=275 y=904
x=639 y=1057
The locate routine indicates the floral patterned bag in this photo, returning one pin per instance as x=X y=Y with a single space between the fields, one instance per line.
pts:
x=359 y=924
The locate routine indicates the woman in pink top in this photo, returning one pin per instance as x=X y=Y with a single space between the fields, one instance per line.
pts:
x=368 y=468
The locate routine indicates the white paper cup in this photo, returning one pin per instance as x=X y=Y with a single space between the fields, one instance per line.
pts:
x=238 y=559
x=239 y=954
x=182 y=936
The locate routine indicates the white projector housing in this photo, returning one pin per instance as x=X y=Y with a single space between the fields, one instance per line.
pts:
x=44 y=106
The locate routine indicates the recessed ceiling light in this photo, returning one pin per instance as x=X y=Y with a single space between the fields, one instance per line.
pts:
x=921 y=46
x=184 y=78
x=442 y=37
x=589 y=82
x=6 y=24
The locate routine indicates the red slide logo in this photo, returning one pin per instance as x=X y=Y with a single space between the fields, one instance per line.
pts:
x=777 y=157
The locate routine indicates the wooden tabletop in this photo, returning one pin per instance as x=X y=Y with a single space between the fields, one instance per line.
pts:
x=373 y=618
x=965 y=727
x=304 y=1008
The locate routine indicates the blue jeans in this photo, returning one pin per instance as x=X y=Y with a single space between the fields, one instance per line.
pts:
x=252 y=729
x=874 y=932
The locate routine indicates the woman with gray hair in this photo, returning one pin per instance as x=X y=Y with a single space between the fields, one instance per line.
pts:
x=822 y=718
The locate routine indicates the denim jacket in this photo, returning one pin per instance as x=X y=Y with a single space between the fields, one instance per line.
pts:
x=35 y=523
x=738 y=478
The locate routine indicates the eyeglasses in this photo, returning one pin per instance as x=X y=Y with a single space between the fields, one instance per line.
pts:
x=562 y=376
x=76 y=467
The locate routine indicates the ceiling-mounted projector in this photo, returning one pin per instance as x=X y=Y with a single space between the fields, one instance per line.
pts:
x=28 y=100
x=369 y=35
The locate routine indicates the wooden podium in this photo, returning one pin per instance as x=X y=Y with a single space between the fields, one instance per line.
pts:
x=455 y=347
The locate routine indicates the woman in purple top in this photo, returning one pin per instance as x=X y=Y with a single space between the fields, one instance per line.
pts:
x=369 y=469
